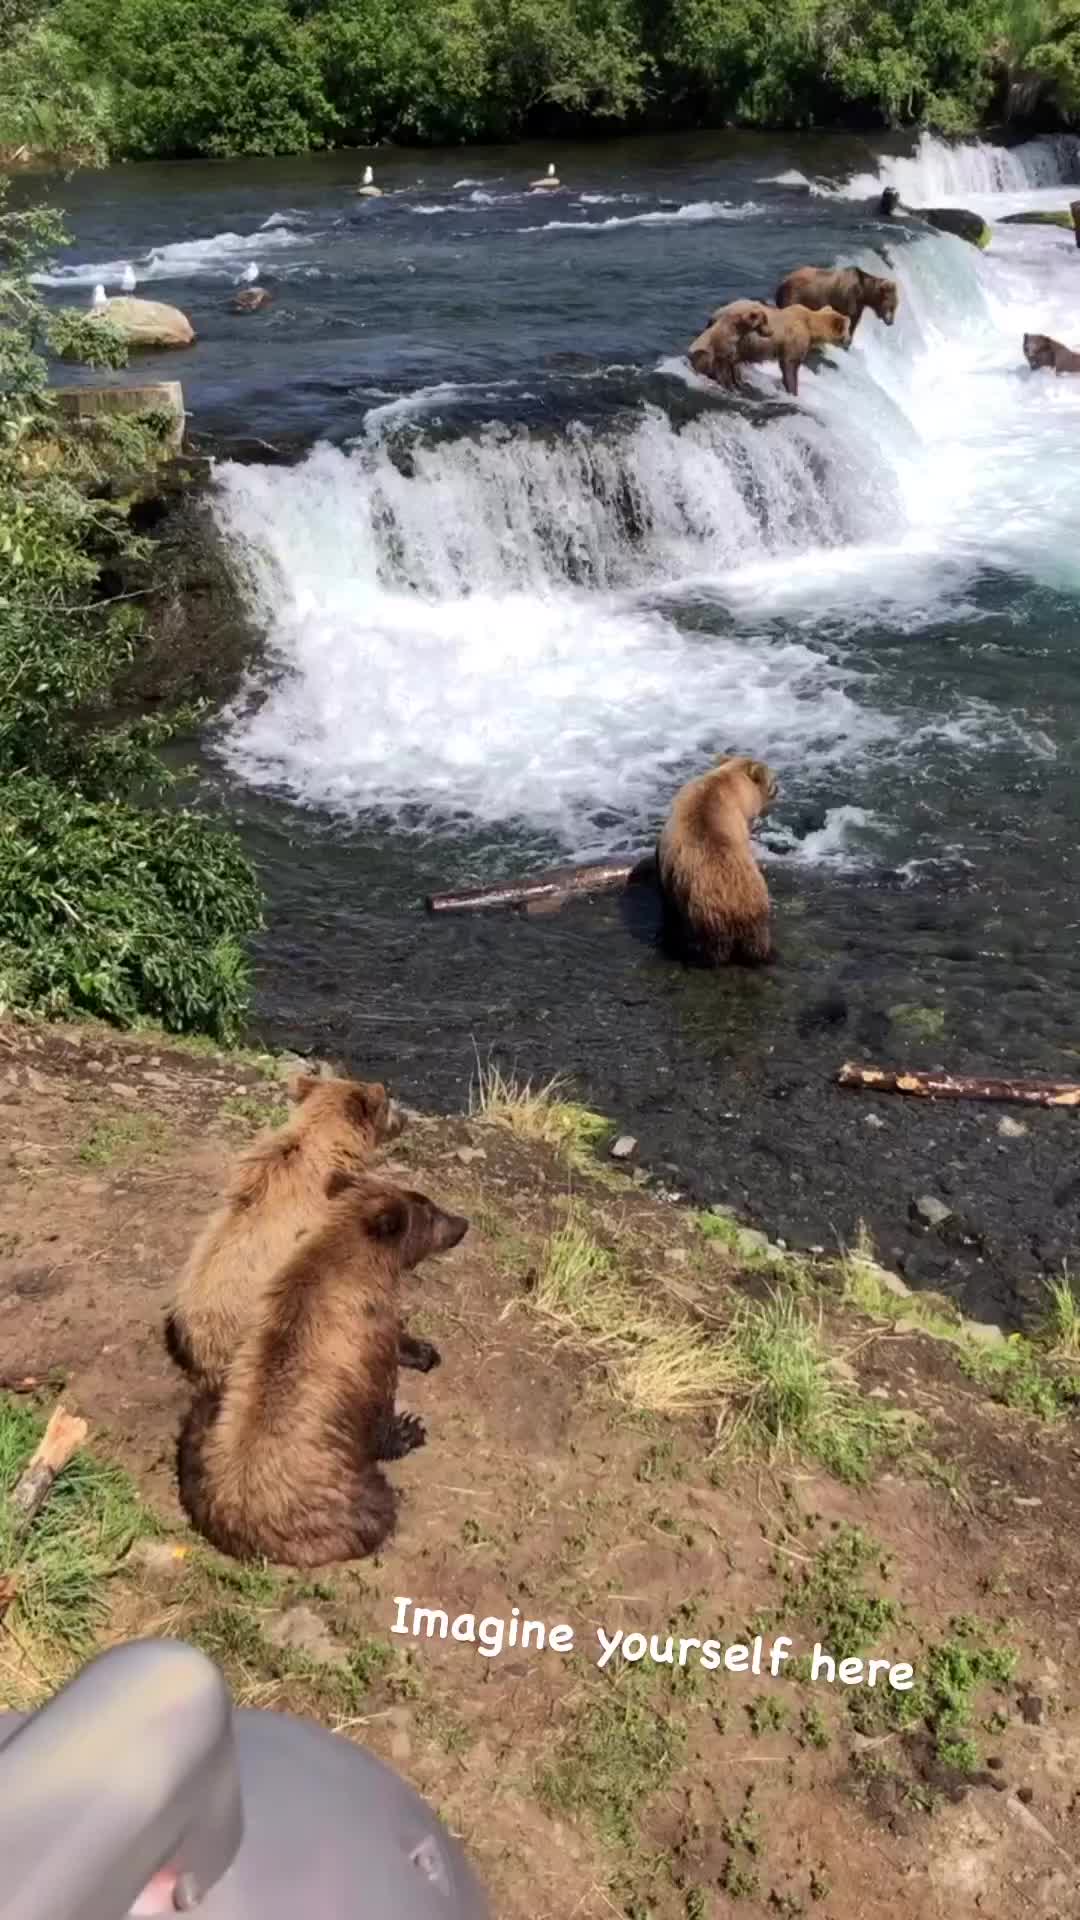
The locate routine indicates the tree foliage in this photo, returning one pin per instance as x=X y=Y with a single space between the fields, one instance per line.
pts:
x=274 y=76
x=112 y=900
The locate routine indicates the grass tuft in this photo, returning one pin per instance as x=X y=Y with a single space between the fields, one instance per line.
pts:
x=796 y=1401
x=541 y=1113
x=61 y=1565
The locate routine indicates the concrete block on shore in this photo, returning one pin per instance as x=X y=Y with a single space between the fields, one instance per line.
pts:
x=84 y=406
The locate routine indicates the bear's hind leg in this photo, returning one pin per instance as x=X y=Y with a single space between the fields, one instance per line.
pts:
x=789 y=373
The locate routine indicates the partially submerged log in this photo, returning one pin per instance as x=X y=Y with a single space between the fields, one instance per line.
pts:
x=553 y=887
x=960 y=1086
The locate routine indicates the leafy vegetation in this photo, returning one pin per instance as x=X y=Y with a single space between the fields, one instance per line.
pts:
x=176 y=77
x=111 y=903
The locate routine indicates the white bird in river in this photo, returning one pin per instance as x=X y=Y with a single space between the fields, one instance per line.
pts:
x=128 y=280
x=549 y=180
x=250 y=273
x=369 y=177
x=100 y=299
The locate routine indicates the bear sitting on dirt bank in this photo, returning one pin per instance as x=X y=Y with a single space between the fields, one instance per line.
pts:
x=847 y=290
x=284 y=1461
x=716 y=903
x=276 y=1190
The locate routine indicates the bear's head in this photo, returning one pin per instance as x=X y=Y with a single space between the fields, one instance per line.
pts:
x=884 y=296
x=1038 y=350
x=397 y=1219
x=754 y=319
x=754 y=783
x=890 y=200
x=742 y=317
x=831 y=326
x=364 y=1106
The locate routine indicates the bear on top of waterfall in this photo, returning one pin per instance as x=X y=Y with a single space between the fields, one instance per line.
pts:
x=846 y=289
x=715 y=351
x=284 y=1462
x=716 y=903
x=275 y=1191
x=1041 y=351
x=793 y=334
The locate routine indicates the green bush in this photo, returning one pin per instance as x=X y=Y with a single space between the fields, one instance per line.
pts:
x=112 y=901
x=278 y=76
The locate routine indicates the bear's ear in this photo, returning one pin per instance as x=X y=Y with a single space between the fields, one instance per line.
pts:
x=301 y=1085
x=338 y=1182
x=386 y=1215
x=364 y=1102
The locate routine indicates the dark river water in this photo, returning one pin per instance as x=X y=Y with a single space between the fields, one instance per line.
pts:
x=532 y=573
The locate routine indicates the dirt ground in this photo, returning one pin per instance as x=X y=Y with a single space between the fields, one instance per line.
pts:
x=639 y=1789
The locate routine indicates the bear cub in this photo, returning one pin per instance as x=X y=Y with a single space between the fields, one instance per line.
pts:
x=275 y=1191
x=283 y=1461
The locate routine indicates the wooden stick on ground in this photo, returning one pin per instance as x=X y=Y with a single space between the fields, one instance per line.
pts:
x=61 y=1439
x=555 y=886
x=961 y=1086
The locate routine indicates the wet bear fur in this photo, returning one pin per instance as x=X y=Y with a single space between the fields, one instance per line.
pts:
x=847 y=290
x=275 y=1191
x=794 y=334
x=283 y=1461
x=715 y=351
x=1041 y=351
x=715 y=901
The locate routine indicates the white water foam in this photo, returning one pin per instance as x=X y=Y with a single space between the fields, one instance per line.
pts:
x=215 y=258
x=941 y=171
x=511 y=628
x=694 y=212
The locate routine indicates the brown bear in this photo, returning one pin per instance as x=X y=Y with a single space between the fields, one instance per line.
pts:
x=1041 y=351
x=283 y=1461
x=716 y=903
x=275 y=1191
x=794 y=333
x=250 y=300
x=714 y=353
x=846 y=289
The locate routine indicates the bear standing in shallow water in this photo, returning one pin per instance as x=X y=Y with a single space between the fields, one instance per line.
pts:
x=793 y=334
x=716 y=903
x=715 y=352
x=1041 y=351
x=847 y=290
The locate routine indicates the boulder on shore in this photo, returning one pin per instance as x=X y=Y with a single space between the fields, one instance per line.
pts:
x=148 y=323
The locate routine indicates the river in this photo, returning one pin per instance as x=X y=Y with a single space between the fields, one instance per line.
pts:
x=532 y=573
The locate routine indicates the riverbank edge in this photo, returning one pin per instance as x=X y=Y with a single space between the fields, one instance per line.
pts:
x=774 y=1788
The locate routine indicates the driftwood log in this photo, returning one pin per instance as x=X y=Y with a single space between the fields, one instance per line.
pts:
x=550 y=888
x=61 y=1439
x=961 y=1086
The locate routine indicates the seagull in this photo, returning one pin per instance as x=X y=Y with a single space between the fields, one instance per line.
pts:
x=369 y=177
x=549 y=180
x=250 y=273
x=100 y=300
x=128 y=280
x=368 y=187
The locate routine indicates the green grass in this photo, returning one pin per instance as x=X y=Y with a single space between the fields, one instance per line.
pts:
x=795 y=1401
x=923 y=1023
x=63 y=1563
x=255 y=1110
x=1061 y=1320
x=623 y=1746
x=543 y=1114
x=127 y=1137
x=848 y=1618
